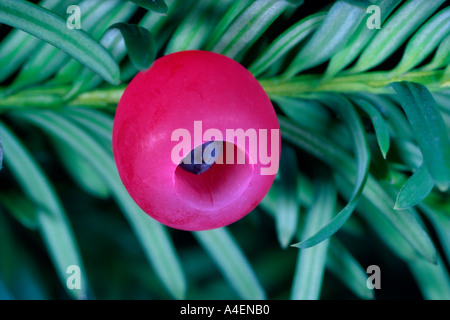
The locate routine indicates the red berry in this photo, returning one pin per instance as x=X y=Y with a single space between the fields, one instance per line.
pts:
x=197 y=89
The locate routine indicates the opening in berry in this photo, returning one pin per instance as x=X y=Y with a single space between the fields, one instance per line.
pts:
x=216 y=186
x=202 y=158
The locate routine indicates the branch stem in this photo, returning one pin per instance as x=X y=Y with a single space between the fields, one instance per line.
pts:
x=108 y=97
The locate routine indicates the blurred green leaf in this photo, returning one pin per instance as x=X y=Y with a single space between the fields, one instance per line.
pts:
x=406 y=224
x=400 y=231
x=433 y=279
x=9 y=259
x=285 y=42
x=81 y=171
x=269 y=202
x=408 y=153
x=248 y=27
x=152 y=235
x=379 y=167
x=359 y=39
x=100 y=125
x=53 y=223
x=307 y=112
x=339 y=25
x=230 y=260
x=194 y=29
x=20 y=273
x=86 y=79
x=440 y=219
x=429 y=129
x=17 y=45
x=96 y=122
x=21 y=208
x=154 y=5
x=446 y=77
x=288 y=207
x=347 y=112
x=51 y=28
x=417 y=188
x=296 y=2
x=48 y=58
x=345 y=267
x=442 y=56
x=311 y=262
x=111 y=40
x=424 y=41
x=140 y=44
x=363 y=4
x=14 y=49
x=39 y=67
x=29 y=281
x=406 y=221
x=227 y=18
x=4 y=292
x=120 y=11
x=381 y=129
x=1 y=154
x=396 y=118
x=395 y=31
x=443 y=100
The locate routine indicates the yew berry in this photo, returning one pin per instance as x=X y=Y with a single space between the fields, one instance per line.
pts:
x=173 y=111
